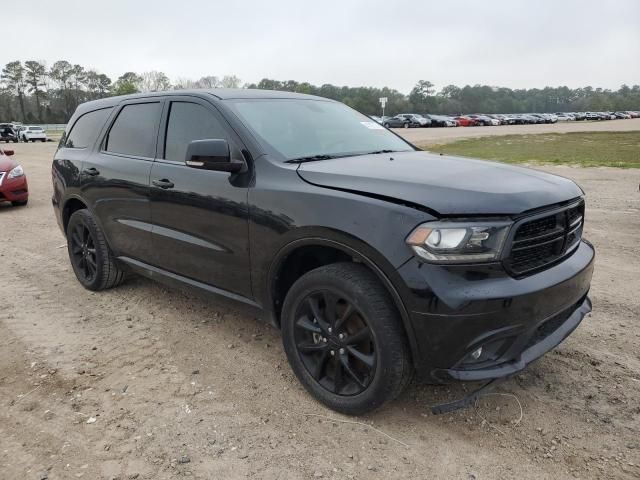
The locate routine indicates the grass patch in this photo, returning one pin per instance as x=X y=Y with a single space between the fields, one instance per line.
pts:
x=586 y=149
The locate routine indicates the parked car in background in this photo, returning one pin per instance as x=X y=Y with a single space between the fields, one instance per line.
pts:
x=532 y=118
x=13 y=181
x=465 y=121
x=32 y=133
x=8 y=133
x=622 y=115
x=594 y=116
x=579 y=116
x=441 y=121
x=565 y=117
x=515 y=119
x=415 y=119
x=545 y=117
x=502 y=119
x=484 y=120
x=376 y=261
x=396 y=122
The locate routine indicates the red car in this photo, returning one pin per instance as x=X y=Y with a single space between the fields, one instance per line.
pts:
x=13 y=181
x=466 y=121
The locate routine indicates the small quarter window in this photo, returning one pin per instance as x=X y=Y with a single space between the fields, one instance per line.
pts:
x=85 y=130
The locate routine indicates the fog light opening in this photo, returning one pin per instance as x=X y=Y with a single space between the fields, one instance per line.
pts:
x=476 y=353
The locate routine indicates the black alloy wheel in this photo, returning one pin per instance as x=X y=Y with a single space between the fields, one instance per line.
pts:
x=344 y=338
x=93 y=262
x=83 y=252
x=335 y=343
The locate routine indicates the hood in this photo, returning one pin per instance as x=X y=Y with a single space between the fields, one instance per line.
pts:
x=445 y=184
x=6 y=163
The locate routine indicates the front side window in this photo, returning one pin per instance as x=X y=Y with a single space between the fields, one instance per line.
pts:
x=302 y=128
x=134 y=131
x=189 y=122
x=85 y=130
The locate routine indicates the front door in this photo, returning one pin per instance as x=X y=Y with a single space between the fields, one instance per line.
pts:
x=200 y=217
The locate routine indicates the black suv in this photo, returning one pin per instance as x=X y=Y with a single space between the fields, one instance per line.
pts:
x=375 y=259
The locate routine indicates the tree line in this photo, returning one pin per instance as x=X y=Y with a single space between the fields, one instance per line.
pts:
x=31 y=92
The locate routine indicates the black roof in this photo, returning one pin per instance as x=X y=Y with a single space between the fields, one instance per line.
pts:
x=219 y=93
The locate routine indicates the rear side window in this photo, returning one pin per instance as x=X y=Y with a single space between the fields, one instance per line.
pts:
x=86 y=129
x=134 y=131
x=188 y=122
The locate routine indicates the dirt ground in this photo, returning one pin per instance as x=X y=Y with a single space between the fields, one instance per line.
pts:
x=149 y=383
x=431 y=136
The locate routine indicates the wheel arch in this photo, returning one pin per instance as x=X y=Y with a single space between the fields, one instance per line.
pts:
x=70 y=206
x=335 y=250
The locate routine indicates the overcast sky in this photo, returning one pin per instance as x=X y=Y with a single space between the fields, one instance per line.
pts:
x=512 y=43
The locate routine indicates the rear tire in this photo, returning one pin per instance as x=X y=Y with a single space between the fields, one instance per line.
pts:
x=343 y=308
x=92 y=260
x=406 y=125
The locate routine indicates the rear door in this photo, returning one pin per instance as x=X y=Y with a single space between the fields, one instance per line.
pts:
x=115 y=179
x=200 y=217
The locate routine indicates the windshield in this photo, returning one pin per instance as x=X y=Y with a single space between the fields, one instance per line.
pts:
x=304 y=128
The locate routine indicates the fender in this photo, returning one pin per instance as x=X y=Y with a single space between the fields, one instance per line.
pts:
x=357 y=255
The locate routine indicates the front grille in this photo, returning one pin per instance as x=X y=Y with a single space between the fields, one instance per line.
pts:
x=543 y=241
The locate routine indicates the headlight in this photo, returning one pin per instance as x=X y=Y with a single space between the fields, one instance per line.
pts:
x=16 y=172
x=459 y=242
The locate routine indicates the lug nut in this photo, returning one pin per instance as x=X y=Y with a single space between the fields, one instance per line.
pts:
x=329 y=329
x=324 y=339
x=341 y=351
x=333 y=353
x=341 y=336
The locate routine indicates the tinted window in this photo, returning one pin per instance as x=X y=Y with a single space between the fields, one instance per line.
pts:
x=134 y=131
x=188 y=122
x=86 y=129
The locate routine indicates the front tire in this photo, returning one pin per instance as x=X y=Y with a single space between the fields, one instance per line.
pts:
x=92 y=261
x=344 y=338
x=20 y=203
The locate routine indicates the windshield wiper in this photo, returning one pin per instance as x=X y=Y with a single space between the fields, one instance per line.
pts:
x=379 y=151
x=315 y=158
x=312 y=158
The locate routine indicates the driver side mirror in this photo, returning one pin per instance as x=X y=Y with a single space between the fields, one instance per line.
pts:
x=211 y=154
